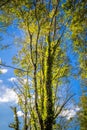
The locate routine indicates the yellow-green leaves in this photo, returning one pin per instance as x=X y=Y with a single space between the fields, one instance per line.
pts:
x=33 y=28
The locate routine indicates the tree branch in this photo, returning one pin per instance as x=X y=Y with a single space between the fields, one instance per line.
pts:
x=12 y=67
x=65 y=102
x=4 y=3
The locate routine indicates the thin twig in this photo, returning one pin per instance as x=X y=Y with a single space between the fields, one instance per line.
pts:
x=12 y=67
x=63 y=105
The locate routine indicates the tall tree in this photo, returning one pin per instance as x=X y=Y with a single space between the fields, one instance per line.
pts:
x=79 y=35
x=42 y=56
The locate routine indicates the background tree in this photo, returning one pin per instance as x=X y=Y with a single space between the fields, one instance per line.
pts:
x=79 y=35
x=83 y=113
x=16 y=123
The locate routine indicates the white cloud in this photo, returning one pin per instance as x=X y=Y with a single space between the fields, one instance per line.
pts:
x=7 y=95
x=69 y=113
x=3 y=71
x=77 y=109
x=12 y=79
x=1 y=81
x=20 y=113
x=25 y=81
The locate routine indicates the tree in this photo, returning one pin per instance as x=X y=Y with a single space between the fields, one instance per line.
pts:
x=15 y=125
x=43 y=57
x=79 y=35
x=79 y=31
x=83 y=113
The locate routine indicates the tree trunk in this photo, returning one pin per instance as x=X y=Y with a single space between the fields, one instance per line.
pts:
x=49 y=105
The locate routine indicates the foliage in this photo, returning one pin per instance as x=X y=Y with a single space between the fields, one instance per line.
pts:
x=43 y=56
x=83 y=113
x=78 y=28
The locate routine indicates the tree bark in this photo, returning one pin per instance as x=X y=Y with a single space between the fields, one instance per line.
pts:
x=49 y=106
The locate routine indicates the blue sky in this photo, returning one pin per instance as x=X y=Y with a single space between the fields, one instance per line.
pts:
x=7 y=95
